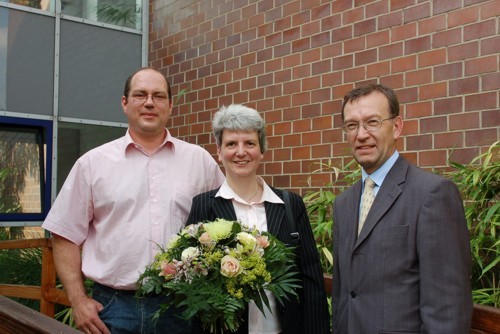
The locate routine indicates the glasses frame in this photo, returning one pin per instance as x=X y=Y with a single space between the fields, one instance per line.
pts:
x=142 y=98
x=365 y=125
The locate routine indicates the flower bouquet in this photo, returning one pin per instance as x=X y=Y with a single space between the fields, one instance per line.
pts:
x=213 y=269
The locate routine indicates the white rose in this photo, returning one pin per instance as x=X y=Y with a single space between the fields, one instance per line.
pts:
x=189 y=254
x=247 y=240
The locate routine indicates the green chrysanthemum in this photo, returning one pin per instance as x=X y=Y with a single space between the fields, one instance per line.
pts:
x=219 y=229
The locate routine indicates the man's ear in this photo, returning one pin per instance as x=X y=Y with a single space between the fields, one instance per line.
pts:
x=124 y=104
x=397 y=127
x=170 y=105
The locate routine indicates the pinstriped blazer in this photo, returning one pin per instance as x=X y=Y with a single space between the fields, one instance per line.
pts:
x=309 y=314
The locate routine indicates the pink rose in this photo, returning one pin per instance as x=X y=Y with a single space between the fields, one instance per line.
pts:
x=205 y=239
x=230 y=267
x=168 y=269
x=263 y=241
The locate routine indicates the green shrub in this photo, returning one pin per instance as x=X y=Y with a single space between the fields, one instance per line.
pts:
x=479 y=183
x=20 y=266
x=320 y=209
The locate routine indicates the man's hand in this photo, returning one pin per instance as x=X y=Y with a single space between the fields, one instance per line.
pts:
x=85 y=315
x=68 y=263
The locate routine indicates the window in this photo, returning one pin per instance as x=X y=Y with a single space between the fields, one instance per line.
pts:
x=123 y=13
x=38 y=4
x=75 y=139
x=25 y=169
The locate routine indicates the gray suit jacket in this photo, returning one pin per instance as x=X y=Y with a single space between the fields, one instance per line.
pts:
x=408 y=271
x=310 y=315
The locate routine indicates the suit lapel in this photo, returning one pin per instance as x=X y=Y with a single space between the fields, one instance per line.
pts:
x=386 y=196
x=223 y=208
x=352 y=205
x=275 y=214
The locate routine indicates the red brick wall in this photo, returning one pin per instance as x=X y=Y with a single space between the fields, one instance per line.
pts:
x=294 y=60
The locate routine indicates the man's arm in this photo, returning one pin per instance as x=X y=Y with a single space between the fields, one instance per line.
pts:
x=68 y=263
x=444 y=257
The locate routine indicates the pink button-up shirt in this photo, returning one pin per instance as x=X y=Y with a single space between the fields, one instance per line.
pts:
x=120 y=203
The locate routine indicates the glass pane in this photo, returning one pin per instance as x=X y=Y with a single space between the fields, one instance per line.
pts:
x=26 y=62
x=38 y=4
x=94 y=64
x=123 y=13
x=76 y=139
x=21 y=173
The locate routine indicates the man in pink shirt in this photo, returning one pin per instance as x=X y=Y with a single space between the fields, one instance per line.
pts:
x=120 y=201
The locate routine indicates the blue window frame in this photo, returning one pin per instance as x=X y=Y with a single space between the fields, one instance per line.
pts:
x=25 y=169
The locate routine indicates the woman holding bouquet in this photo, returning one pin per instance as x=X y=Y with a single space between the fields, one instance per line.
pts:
x=241 y=142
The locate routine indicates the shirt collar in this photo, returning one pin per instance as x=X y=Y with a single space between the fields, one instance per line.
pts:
x=168 y=142
x=379 y=175
x=268 y=194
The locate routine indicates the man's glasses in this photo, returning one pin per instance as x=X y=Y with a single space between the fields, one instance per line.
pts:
x=143 y=97
x=370 y=125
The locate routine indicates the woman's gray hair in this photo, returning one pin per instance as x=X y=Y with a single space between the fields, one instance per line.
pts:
x=238 y=117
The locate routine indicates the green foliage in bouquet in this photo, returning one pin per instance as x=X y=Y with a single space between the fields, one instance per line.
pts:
x=214 y=269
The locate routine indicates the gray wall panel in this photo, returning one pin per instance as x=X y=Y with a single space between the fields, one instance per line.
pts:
x=94 y=64
x=29 y=61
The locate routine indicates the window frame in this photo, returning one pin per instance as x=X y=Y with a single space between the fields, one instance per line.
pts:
x=45 y=133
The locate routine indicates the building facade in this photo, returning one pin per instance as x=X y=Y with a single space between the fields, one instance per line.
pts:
x=63 y=65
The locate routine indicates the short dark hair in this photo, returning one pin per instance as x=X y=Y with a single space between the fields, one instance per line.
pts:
x=358 y=92
x=126 y=90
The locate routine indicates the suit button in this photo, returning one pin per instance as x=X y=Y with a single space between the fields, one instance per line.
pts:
x=352 y=294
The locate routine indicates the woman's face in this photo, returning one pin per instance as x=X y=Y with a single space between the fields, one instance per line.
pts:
x=240 y=153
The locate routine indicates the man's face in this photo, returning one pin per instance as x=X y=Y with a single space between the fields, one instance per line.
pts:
x=372 y=149
x=147 y=118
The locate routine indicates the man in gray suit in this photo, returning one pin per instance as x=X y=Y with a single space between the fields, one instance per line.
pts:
x=404 y=268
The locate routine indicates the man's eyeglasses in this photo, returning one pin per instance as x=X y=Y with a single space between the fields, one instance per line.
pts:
x=370 y=125
x=143 y=97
